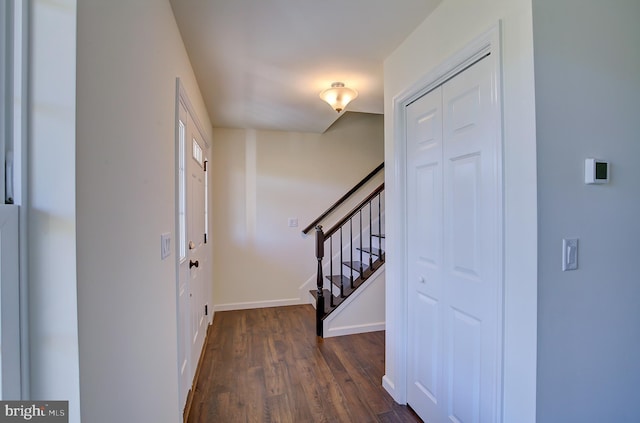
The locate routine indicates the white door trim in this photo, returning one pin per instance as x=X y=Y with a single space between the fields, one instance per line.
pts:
x=10 y=351
x=15 y=46
x=181 y=94
x=486 y=43
x=4 y=99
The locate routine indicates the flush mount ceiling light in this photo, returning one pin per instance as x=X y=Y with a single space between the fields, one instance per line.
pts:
x=338 y=96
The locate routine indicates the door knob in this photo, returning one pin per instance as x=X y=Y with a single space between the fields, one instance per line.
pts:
x=421 y=279
x=193 y=264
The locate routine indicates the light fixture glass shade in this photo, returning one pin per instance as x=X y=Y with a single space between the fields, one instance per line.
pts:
x=338 y=96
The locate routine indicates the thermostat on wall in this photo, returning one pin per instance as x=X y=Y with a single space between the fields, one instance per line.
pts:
x=596 y=171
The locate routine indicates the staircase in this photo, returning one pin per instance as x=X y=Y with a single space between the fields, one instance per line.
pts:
x=351 y=251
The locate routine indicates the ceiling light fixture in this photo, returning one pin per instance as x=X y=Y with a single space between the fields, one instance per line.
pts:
x=338 y=96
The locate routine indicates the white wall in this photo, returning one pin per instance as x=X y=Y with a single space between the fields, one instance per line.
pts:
x=260 y=179
x=587 y=65
x=129 y=55
x=446 y=31
x=51 y=204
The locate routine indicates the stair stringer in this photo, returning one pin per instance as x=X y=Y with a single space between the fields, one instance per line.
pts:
x=362 y=312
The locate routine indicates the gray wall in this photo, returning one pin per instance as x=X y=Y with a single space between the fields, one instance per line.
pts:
x=587 y=74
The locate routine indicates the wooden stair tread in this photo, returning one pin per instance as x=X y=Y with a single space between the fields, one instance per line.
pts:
x=373 y=251
x=355 y=265
x=346 y=284
x=327 y=301
x=338 y=280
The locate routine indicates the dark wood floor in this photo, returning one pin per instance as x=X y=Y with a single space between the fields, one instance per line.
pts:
x=267 y=365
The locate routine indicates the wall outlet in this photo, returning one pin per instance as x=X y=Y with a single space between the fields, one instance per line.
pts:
x=165 y=245
x=293 y=222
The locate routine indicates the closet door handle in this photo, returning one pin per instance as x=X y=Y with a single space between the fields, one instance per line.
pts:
x=193 y=264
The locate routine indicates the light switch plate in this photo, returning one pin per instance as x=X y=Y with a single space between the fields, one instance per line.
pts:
x=165 y=245
x=293 y=222
x=569 y=254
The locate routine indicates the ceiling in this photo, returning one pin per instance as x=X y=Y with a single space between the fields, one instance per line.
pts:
x=261 y=64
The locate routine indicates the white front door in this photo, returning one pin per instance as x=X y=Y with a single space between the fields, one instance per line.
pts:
x=454 y=246
x=184 y=325
x=193 y=264
x=196 y=240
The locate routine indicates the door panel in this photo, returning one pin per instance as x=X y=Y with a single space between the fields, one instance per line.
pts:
x=453 y=206
x=425 y=370
x=193 y=290
x=464 y=374
x=425 y=224
x=464 y=214
x=427 y=228
x=196 y=230
x=184 y=325
x=472 y=240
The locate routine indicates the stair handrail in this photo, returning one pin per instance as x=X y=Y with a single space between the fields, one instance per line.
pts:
x=354 y=211
x=342 y=199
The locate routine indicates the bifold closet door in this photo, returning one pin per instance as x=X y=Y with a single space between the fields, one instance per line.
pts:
x=454 y=210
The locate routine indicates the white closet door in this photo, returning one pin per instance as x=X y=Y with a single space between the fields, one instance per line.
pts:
x=454 y=269
x=425 y=253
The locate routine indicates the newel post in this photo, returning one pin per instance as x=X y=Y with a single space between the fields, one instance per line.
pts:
x=319 y=280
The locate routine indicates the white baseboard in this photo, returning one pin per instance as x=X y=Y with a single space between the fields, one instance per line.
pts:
x=352 y=330
x=306 y=287
x=390 y=387
x=258 y=304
